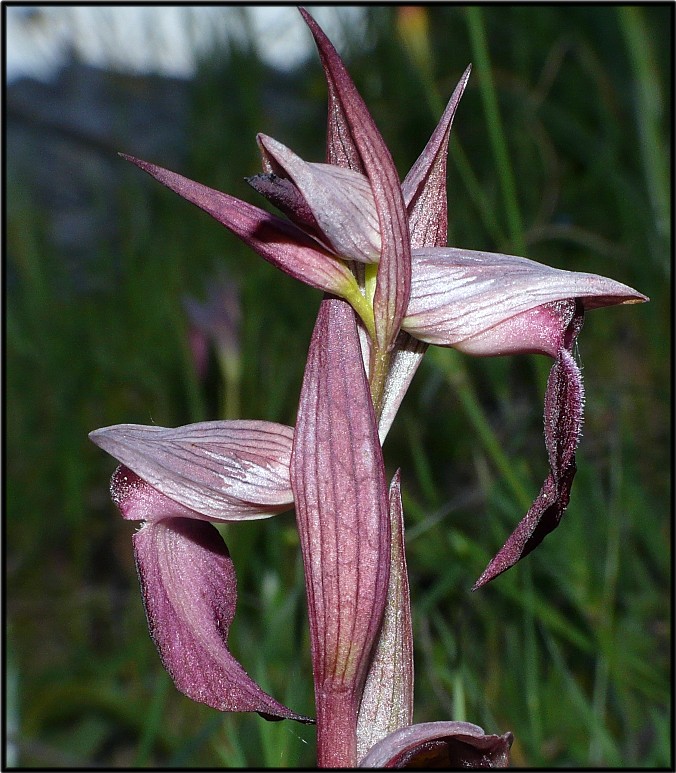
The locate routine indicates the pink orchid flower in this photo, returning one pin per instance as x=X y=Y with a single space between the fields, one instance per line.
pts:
x=377 y=248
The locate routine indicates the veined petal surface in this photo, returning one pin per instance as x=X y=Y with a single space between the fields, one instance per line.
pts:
x=340 y=200
x=459 y=294
x=340 y=492
x=222 y=470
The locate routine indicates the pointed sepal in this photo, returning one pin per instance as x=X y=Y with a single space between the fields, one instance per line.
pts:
x=278 y=241
x=363 y=149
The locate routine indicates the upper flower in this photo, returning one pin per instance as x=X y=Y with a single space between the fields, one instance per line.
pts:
x=354 y=231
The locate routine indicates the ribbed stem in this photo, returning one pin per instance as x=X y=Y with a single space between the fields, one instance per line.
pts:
x=336 y=728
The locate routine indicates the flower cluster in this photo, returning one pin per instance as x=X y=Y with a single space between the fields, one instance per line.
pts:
x=377 y=249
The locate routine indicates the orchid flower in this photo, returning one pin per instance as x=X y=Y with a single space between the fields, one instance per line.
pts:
x=377 y=248
x=179 y=482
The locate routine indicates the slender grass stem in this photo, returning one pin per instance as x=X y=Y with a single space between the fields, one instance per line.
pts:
x=649 y=102
x=498 y=140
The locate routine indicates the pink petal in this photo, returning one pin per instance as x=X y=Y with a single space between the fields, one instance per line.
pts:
x=278 y=241
x=222 y=470
x=338 y=479
x=460 y=297
x=189 y=591
x=387 y=700
x=340 y=200
x=446 y=745
x=364 y=150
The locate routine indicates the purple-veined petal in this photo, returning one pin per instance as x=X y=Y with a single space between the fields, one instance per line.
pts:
x=189 y=592
x=460 y=298
x=564 y=402
x=446 y=745
x=222 y=470
x=351 y=124
x=339 y=199
x=338 y=480
x=424 y=191
x=278 y=241
x=387 y=700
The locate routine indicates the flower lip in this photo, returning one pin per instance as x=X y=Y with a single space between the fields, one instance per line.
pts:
x=447 y=744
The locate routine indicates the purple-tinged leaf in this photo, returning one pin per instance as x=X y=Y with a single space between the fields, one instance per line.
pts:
x=476 y=301
x=387 y=700
x=221 y=470
x=278 y=241
x=564 y=402
x=445 y=745
x=189 y=592
x=339 y=199
x=351 y=125
x=338 y=480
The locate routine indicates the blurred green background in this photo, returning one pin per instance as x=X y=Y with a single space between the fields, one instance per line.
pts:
x=559 y=151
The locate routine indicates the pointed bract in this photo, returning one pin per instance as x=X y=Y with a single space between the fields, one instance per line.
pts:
x=221 y=470
x=387 y=700
x=424 y=187
x=338 y=480
x=353 y=127
x=278 y=241
x=424 y=191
